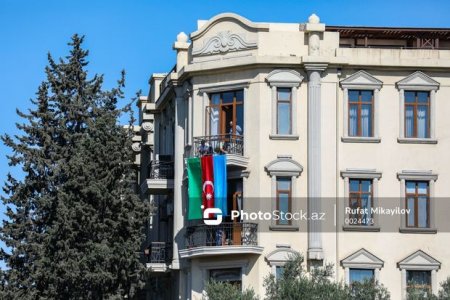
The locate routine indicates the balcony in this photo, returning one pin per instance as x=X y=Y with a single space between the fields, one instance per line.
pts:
x=159 y=178
x=224 y=239
x=158 y=256
x=227 y=144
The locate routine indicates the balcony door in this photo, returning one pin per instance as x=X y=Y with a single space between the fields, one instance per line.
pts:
x=225 y=114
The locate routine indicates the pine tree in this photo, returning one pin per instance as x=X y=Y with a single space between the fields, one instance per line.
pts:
x=74 y=226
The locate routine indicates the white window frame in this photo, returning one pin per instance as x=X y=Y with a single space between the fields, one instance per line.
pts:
x=371 y=174
x=362 y=259
x=288 y=79
x=418 y=81
x=361 y=80
x=284 y=166
x=417 y=175
x=419 y=261
x=279 y=257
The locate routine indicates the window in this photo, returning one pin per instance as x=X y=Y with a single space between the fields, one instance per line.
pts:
x=279 y=270
x=360 y=198
x=360 y=116
x=361 y=99
x=417 y=190
x=284 y=86
x=417 y=114
x=360 y=202
x=418 y=204
x=231 y=275
x=417 y=109
x=284 y=201
x=419 y=280
x=361 y=275
x=225 y=114
x=284 y=111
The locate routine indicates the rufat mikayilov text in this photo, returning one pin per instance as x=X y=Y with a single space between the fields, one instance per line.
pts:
x=277 y=215
x=377 y=211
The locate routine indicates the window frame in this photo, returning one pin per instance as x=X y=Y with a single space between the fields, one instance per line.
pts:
x=361 y=81
x=360 y=174
x=419 y=176
x=362 y=259
x=289 y=192
x=418 y=81
x=359 y=104
x=415 y=105
x=359 y=195
x=416 y=197
x=278 y=110
x=284 y=78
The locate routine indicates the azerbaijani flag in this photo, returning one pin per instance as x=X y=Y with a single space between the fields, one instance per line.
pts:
x=207 y=185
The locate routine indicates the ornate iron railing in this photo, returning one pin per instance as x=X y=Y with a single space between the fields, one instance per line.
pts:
x=219 y=144
x=225 y=234
x=158 y=252
x=160 y=170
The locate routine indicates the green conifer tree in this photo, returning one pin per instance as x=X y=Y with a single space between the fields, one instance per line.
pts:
x=75 y=224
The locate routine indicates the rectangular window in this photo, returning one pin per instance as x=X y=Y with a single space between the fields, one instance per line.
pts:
x=360 y=197
x=231 y=275
x=418 y=204
x=419 y=280
x=225 y=114
x=361 y=275
x=284 y=111
x=279 y=270
x=417 y=114
x=284 y=200
x=360 y=116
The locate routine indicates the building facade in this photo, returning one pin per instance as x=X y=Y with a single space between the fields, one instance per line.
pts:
x=347 y=126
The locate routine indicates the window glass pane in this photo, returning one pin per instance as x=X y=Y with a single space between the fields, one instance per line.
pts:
x=354 y=185
x=215 y=99
x=422 y=97
x=410 y=187
x=422 y=121
x=283 y=183
x=239 y=96
x=279 y=270
x=409 y=121
x=366 y=186
x=353 y=95
x=366 y=120
x=366 y=96
x=214 y=120
x=284 y=118
x=360 y=275
x=422 y=211
x=283 y=206
x=227 y=97
x=410 y=97
x=353 y=120
x=239 y=119
x=422 y=188
x=410 y=217
x=284 y=94
x=418 y=277
x=232 y=276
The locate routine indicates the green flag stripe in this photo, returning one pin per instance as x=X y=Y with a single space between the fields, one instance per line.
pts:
x=195 y=188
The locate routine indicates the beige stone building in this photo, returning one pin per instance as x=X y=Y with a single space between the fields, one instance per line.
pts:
x=346 y=123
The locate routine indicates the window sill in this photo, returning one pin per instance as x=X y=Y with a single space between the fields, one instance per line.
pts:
x=418 y=230
x=416 y=141
x=361 y=228
x=287 y=137
x=360 y=139
x=283 y=228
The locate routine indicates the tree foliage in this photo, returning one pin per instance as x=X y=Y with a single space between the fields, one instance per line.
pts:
x=216 y=290
x=74 y=224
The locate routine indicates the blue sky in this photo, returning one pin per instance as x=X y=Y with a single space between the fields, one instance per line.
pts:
x=137 y=35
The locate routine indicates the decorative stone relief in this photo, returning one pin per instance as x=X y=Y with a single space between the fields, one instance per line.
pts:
x=136 y=147
x=225 y=41
x=147 y=126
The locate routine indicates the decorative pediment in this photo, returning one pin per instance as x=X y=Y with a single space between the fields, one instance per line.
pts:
x=228 y=17
x=284 y=165
x=224 y=41
x=362 y=259
x=418 y=81
x=280 y=256
x=284 y=78
x=419 y=260
x=361 y=80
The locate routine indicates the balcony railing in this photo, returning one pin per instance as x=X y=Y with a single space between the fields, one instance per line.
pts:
x=219 y=144
x=160 y=170
x=158 y=252
x=225 y=234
